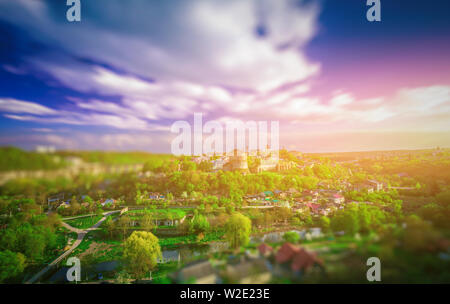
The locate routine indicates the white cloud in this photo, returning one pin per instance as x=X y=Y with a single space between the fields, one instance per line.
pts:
x=11 y=105
x=199 y=56
x=200 y=52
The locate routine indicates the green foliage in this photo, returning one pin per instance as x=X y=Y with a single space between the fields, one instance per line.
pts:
x=117 y=158
x=140 y=254
x=199 y=224
x=17 y=159
x=123 y=224
x=85 y=222
x=205 y=166
x=122 y=277
x=358 y=218
x=325 y=223
x=146 y=222
x=29 y=232
x=439 y=215
x=237 y=230
x=291 y=237
x=443 y=198
x=174 y=214
x=12 y=264
x=346 y=220
x=419 y=235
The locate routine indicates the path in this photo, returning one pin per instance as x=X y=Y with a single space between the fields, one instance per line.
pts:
x=81 y=234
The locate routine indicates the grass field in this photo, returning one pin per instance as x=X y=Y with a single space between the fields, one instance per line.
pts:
x=84 y=222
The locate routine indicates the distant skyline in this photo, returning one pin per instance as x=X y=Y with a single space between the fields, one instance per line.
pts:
x=118 y=79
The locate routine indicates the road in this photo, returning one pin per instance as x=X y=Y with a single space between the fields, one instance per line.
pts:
x=80 y=236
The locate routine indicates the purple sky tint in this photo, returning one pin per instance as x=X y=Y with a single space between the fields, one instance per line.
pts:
x=121 y=77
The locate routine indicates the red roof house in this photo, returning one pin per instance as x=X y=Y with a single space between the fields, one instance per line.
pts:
x=265 y=249
x=285 y=253
x=304 y=260
x=299 y=258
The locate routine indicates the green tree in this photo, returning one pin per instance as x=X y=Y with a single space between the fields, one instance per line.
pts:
x=122 y=277
x=141 y=252
x=88 y=262
x=346 y=220
x=75 y=206
x=199 y=224
x=146 y=222
x=419 y=235
x=291 y=237
x=237 y=230
x=443 y=198
x=12 y=264
x=90 y=201
x=124 y=224
x=110 y=226
x=324 y=223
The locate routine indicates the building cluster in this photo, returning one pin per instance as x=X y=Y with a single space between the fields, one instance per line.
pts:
x=62 y=203
x=287 y=262
x=238 y=161
x=370 y=186
x=319 y=201
x=165 y=220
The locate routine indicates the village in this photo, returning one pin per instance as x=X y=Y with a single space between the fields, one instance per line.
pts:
x=263 y=217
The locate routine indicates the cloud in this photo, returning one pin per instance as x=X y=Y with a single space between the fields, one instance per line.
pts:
x=43 y=130
x=195 y=57
x=406 y=107
x=79 y=140
x=141 y=65
x=37 y=113
x=11 y=105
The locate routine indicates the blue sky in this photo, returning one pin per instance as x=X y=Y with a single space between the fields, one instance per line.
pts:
x=119 y=78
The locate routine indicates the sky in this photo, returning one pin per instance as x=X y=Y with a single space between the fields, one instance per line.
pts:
x=122 y=76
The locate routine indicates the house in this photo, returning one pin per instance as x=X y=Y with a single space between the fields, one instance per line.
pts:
x=283 y=204
x=310 y=193
x=255 y=202
x=55 y=198
x=316 y=232
x=292 y=191
x=377 y=185
x=283 y=165
x=285 y=253
x=237 y=162
x=155 y=196
x=249 y=271
x=201 y=272
x=364 y=187
x=265 y=250
x=219 y=163
x=300 y=208
x=337 y=198
x=171 y=218
x=296 y=259
x=267 y=162
x=65 y=204
x=199 y=159
x=108 y=202
x=268 y=193
x=313 y=207
x=304 y=260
